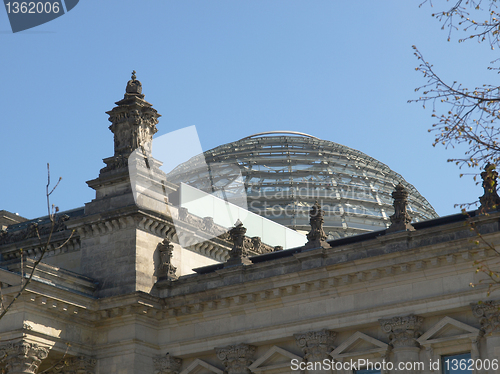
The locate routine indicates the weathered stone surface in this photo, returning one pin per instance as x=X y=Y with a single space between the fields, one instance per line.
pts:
x=236 y=358
x=22 y=357
x=316 y=345
x=167 y=364
x=401 y=218
x=403 y=331
x=490 y=200
x=316 y=238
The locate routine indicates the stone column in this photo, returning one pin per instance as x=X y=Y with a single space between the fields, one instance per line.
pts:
x=22 y=357
x=317 y=346
x=488 y=313
x=236 y=358
x=167 y=364
x=403 y=333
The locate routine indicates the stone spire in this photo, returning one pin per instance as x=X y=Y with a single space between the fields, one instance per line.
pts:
x=131 y=176
x=490 y=200
x=400 y=219
x=316 y=237
x=238 y=254
x=133 y=123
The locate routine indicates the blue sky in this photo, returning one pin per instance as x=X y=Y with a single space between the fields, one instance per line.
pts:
x=339 y=70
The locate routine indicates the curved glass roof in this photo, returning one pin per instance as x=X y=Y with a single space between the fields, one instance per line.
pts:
x=283 y=173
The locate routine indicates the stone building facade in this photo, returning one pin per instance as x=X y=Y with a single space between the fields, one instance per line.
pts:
x=115 y=293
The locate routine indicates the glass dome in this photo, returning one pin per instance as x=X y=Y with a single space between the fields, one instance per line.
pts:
x=283 y=173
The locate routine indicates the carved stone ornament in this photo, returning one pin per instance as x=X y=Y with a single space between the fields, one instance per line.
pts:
x=403 y=331
x=72 y=365
x=236 y=358
x=167 y=364
x=208 y=224
x=316 y=345
x=239 y=253
x=42 y=228
x=400 y=219
x=490 y=201
x=488 y=313
x=133 y=123
x=316 y=237
x=22 y=357
x=166 y=270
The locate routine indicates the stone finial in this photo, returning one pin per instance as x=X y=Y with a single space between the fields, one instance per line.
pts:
x=316 y=345
x=400 y=219
x=167 y=364
x=316 y=238
x=238 y=254
x=488 y=313
x=166 y=270
x=23 y=357
x=490 y=200
x=403 y=331
x=236 y=358
x=133 y=123
x=134 y=86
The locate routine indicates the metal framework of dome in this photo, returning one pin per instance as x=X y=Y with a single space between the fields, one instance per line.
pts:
x=283 y=173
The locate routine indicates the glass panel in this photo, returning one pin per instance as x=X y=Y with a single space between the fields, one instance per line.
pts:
x=456 y=364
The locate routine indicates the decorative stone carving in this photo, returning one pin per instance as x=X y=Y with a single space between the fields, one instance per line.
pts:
x=236 y=358
x=316 y=238
x=490 y=200
x=316 y=345
x=208 y=224
x=166 y=270
x=256 y=243
x=488 y=313
x=133 y=123
x=238 y=254
x=22 y=357
x=76 y=365
x=42 y=227
x=403 y=331
x=400 y=219
x=167 y=364
x=278 y=248
x=184 y=215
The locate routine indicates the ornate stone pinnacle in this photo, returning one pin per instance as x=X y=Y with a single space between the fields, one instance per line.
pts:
x=238 y=254
x=133 y=123
x=236 y=358
x=166 y=270
x=23 y=357
x=490 y=200
x=316 y=238
x=316 y=345
x=167 y=364
x=400 y=219
x=488 y=313
x=403 y=331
